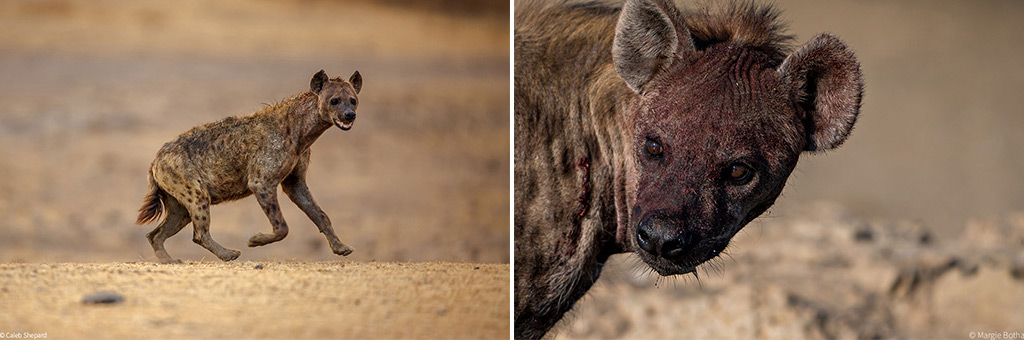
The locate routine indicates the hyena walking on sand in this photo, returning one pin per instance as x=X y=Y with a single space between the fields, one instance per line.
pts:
x=647 y=129
x=239 y=156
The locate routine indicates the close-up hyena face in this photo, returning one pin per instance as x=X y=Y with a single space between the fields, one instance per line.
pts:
x=691 y=138
x=714 y=140
x=337 y=98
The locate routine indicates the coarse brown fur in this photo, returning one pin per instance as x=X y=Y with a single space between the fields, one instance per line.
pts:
x=648 y=129
x=239 y=156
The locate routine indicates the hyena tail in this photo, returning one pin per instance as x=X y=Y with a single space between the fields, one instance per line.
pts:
x=152 y=205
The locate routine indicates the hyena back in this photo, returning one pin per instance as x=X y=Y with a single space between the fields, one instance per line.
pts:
x=239 y=156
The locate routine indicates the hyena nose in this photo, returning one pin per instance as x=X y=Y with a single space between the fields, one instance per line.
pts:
x=665 y=237
x=350 y=115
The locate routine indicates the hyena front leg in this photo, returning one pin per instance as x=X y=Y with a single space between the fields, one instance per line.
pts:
x=296 y=189
x=267 y=196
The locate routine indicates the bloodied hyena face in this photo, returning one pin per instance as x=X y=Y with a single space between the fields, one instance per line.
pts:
x=710 y=156
x=719 y=127
x=337 y=99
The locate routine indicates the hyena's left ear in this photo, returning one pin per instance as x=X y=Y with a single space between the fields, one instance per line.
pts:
x=826 y=80
x=317 y=83
x=357 y=81
x=649 y=36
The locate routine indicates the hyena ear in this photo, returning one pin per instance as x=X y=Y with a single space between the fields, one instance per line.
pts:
x=650 y=35
x=826 y=79
x=357 y=81
x=317 y=83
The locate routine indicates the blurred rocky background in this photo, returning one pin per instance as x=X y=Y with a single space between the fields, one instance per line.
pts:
x=826 y=273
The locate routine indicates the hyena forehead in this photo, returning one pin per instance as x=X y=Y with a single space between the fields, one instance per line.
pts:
x=338 y=87
x=727 y=97
x=325 y=87
x=822 y=78
x=722 y=82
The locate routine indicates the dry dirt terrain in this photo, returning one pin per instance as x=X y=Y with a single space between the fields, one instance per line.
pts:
x=264 y=299
x=90 y=90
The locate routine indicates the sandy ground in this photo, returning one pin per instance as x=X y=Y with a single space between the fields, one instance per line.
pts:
x=282 y=300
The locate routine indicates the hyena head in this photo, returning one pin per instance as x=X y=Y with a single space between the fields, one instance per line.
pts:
x=336 y=98
x=722 y=116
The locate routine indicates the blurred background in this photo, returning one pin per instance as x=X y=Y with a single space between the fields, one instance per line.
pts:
x=913 y=228
x=91 y=90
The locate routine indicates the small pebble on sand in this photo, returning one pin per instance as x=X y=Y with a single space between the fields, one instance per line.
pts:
x=103 y=297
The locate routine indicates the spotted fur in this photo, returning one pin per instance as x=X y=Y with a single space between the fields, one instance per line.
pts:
x=240 y=156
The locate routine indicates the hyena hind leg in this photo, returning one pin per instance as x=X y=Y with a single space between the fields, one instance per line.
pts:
x=177 y=218
x=199 y=208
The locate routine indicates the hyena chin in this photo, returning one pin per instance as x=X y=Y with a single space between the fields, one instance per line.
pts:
x=252 y=154
x=658 y=131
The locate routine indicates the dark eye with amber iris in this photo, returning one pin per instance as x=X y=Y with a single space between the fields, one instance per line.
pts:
x=335 y=101
x=352 y=100
x=654 y=148
x=738 y=173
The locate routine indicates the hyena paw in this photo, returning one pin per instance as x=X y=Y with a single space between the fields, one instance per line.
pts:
x=229 y=255
x=261 y=239
x=342 y=250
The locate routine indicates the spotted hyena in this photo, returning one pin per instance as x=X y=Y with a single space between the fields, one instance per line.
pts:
x=252 y=154
x=648 y=129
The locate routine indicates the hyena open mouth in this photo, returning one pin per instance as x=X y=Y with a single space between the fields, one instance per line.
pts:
x=343 y=125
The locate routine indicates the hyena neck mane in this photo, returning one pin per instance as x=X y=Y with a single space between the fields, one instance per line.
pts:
x=300 y=111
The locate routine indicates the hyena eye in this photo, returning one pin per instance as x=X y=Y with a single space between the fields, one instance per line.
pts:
x=654 y=148
x=352 y=101
x=335 y=101
x=738 y=173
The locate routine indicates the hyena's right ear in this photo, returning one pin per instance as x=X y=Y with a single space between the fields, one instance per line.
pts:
x=650 y=35
x=317 y=83
x=357 y=81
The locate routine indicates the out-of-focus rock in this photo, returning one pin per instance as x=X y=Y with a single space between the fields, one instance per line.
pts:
x=103 y=297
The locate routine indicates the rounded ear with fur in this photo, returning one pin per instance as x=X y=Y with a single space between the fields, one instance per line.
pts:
x=317 y=83
x=649 y=36
x=826 y=77
x=357 y=81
